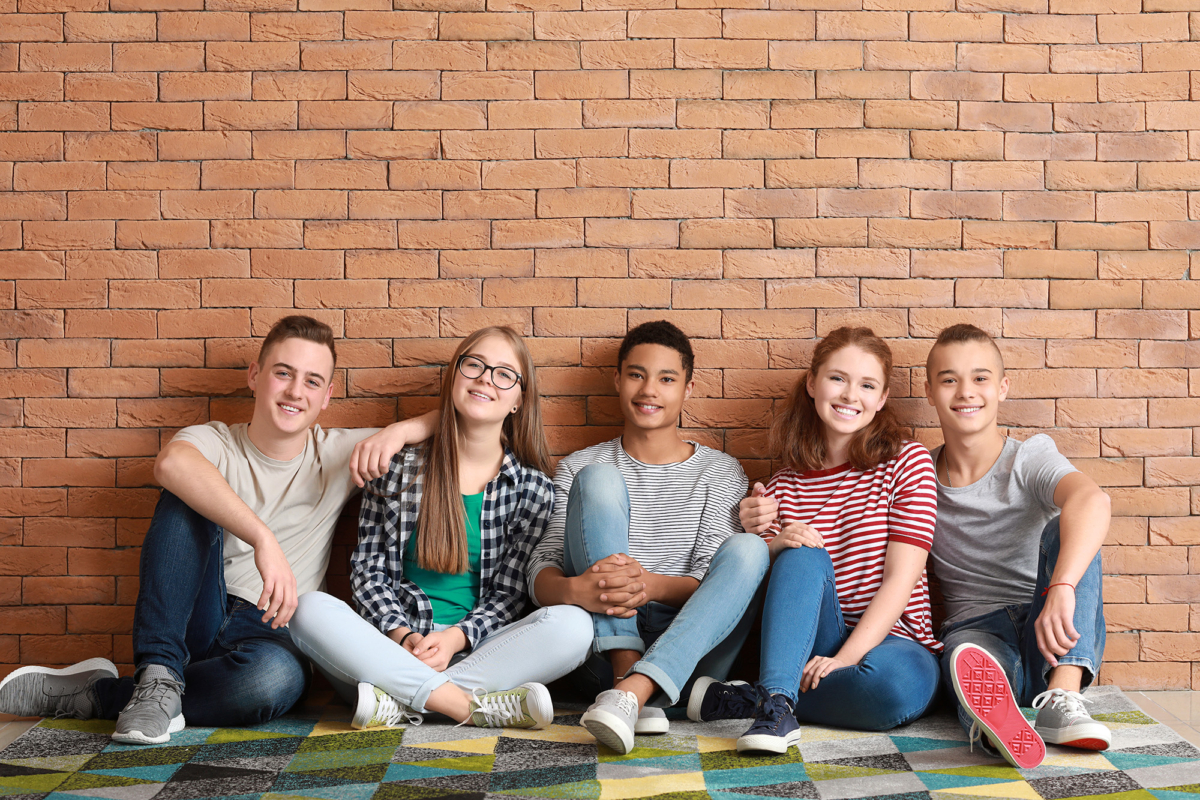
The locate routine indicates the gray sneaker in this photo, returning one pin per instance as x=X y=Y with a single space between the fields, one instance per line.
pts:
x=612 y=718
x=154 y=712
x=45 y=692
x=1062 y=719
x=651 y=720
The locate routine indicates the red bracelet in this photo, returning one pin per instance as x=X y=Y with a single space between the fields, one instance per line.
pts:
x=1051 y=586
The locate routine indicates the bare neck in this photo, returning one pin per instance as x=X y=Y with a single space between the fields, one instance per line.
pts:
x=276 y=444
x=966 y=459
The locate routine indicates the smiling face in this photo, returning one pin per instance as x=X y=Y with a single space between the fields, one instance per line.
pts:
x=848 y=391
x=292 y=384
x=479 y=400
x=966 y=384
x=652 y=384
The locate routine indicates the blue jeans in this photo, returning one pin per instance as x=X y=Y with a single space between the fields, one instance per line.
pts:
x=702 y=638
x=894 y=683
x=236 y=669
x=1008 y=634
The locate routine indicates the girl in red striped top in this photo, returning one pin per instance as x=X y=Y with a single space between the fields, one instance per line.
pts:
x=847 y=635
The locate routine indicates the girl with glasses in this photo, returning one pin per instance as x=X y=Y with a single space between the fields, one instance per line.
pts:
x=439 y=571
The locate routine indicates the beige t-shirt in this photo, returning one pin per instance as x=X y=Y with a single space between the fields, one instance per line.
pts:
x=299 y=500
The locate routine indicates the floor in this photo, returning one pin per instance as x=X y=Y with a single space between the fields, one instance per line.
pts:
x=1178 y=710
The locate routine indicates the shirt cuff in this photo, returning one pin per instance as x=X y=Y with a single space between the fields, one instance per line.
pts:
x=915 y=541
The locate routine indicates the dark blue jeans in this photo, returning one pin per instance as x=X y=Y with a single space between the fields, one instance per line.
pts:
x=1008 y=634
x=236 y=670
x=895 y=683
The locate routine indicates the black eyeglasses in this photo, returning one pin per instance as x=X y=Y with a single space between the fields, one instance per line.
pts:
x=502 y=377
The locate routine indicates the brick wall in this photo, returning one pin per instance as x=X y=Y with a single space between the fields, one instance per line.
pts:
x=177 y=174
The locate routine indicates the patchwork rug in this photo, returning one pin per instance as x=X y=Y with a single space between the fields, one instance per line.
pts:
x=315 y=754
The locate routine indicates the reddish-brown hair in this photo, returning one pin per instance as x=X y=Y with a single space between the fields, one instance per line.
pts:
x=798 y=434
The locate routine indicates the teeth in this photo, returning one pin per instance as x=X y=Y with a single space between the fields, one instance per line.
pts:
x=968 y=409
x=289 y=408
x=648 y=408
x=480 y=396
x=846 y=412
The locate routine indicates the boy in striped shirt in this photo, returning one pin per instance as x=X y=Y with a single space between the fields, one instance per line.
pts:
x=1016 y=551
x=648 y=541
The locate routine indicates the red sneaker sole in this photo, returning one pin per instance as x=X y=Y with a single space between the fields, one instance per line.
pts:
x=984 y=690
x=1087 y=744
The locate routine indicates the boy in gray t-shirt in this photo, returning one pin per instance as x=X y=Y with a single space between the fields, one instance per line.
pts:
x=1016 y=551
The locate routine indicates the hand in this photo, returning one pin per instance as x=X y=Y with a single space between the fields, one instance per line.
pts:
x=279 y=596
x=758 y=512
x=1055 y=626
x=796 y=534
x=372 y=457
x=817 y=668
x=398 y=635
x=614 y=585
x=437 y=648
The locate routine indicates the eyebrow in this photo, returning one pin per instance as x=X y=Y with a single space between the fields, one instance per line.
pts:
x=845 y=374
x=504 y=364
x=975 y=371
x=667 y=371
x=293 y=369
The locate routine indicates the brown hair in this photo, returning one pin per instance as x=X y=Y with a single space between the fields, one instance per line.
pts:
x=798 y=436
x=299 y=326
x=962 y=333
x=441 y=522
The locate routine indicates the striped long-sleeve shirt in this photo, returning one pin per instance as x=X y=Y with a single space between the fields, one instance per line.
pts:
x=679 y=514
x=858 y=513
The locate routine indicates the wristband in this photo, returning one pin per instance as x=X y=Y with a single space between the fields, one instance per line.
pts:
x=405 y=637
x=1051 y=586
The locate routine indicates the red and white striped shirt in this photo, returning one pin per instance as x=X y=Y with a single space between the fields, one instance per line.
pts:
x=858 y=513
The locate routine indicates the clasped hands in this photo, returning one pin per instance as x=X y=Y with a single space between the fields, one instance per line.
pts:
x=615 y=585
x=759 y=512
x=434 y=649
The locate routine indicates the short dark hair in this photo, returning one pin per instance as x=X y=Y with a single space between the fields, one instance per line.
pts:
x=299 y=326
x=962 y=333
x=663 y=333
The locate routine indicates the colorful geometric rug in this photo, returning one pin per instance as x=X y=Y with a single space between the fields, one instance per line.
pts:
x=314 y=754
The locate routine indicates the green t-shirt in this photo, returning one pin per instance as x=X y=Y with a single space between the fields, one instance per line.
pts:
x=452 y=596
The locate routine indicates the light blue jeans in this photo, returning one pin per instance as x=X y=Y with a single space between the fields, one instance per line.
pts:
x=702 y=638
x=895 y=682
x=542 y=647
x=1008 y=634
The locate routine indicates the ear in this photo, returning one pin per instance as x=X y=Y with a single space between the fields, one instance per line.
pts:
x=252 y=375
x=617 y=379
x=687 y=390
x=882 y=401
x=517 y=405
x=1004 y=388
x=809 y=383
x=928 y=392
x=328 y=394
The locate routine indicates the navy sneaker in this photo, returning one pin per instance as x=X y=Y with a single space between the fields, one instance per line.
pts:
x=775 y=728
x=712 y=700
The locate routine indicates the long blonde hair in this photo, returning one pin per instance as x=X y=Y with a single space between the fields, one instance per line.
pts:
x=441 y=522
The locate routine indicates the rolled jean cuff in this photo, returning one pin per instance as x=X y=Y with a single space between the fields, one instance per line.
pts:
x=421 y=696
x=1089 y=669
x=661 y=678
x=603 y=644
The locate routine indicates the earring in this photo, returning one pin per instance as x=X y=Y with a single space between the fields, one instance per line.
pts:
x=514 y=409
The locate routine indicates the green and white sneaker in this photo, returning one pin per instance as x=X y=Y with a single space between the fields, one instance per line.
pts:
x=527 y=706
x=376 y=708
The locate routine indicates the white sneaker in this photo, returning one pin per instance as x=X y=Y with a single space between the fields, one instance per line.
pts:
x=377 y=708
x=651 y=721
x=611 y=719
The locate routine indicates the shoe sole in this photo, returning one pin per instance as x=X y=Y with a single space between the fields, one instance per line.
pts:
x=366 y=698
x=765 y=743
x=609 y=730
x=102 y=664
x=654 y=726
x=696 y=698
x=1089 y=736
x=137 y=737
x=539 y=705
x=982 y=688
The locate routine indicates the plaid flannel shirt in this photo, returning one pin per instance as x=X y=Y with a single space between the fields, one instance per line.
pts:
x=517 y=505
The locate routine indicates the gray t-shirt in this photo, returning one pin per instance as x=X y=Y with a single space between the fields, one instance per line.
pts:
x=299 y=499
x=985 y=546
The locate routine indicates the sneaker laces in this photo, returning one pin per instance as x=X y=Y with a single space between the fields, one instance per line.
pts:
x=731 y=702
x=1068 y=703
x=498 y=709
x=771 y=707
x=155 y=690
x=389 y=712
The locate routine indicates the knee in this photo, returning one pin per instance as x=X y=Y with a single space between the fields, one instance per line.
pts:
x=813 y=560
x=599 y=481
x=572 y=625
x=747 y=550
x=311 y=610
x=272 y=684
